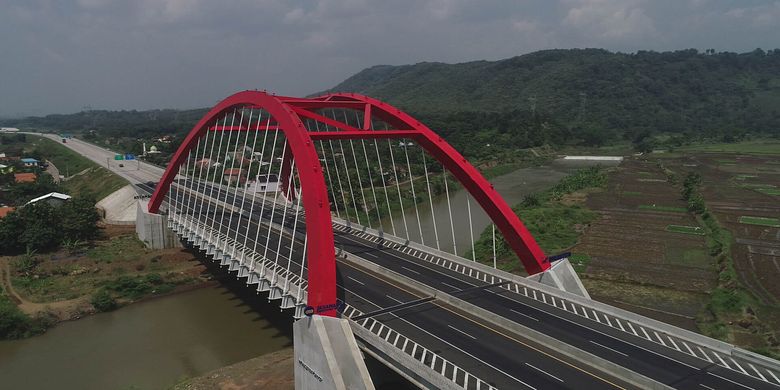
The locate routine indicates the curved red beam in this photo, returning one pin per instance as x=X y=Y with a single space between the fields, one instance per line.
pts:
x=322 y=266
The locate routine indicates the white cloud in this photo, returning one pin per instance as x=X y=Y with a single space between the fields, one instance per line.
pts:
x=615 y=20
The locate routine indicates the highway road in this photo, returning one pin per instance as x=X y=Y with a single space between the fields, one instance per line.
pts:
x=668 y=366
x=477 y=346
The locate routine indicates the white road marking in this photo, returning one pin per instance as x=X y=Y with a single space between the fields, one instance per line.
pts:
x=371 y=254
x=356 y=281
x=523 y=314
x=758 y=372
x=688 y=348
x=705 y=354
x=399 y=301
x=706 y=387
x=773 y=375
x=544 y=372
x=645 y=333
x=458 y=330
x=738 y=366
x=410 y=270
x=611 y=349
x=721 y=360
x=659 y=338
x=449 y=285
x=729 y=380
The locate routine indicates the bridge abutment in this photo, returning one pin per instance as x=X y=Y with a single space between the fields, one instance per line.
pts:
x=561 y=275
x=327 y=356
x=153 y=229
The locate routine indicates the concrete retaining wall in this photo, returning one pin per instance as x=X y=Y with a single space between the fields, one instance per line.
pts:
x=152 y=229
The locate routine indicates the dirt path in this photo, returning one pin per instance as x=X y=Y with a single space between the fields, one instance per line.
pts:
x=62 y=309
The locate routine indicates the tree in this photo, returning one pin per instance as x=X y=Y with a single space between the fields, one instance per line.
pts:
x=78 y=218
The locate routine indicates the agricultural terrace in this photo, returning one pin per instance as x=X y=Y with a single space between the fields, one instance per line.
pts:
x=647 y=253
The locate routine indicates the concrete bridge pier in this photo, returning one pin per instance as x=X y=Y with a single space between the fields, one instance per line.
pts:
x=153 y=229
x=327 y=356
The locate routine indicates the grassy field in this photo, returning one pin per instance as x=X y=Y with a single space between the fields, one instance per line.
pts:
x=663 y=208
x=762 y=221
x=695 y=230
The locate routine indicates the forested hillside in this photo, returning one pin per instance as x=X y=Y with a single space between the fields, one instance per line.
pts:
x=616 y=95
x=588 y=97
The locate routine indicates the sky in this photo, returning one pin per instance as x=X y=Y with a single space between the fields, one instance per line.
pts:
x=60 y=56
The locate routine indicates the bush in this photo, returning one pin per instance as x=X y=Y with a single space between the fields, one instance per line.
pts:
x=103 y=301
x=15 y=324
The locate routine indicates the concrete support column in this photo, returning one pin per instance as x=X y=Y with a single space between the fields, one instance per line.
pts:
x=152 y=229
x=327 y=356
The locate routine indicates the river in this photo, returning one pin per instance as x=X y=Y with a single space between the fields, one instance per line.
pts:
x=512 y=187
x=150 y=345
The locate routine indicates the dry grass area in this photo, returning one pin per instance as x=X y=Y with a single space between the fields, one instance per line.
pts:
x=63 y=282
x=635 y=260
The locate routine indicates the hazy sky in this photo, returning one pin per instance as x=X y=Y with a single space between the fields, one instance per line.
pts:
x=62 y=55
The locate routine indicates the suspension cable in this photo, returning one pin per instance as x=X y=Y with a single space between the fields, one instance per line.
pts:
x=222 y=176
x=449 y=208
x=430 y=198
x=384 y=184
x=292 y=239
x=265 y=196
x=338 y=178
x=370 y=178
x=357 y=172
x=257 y=178
x=398 y=187
x=248 y=171
x=494 y=245
x=216 y=175
x=273 y=208
x=282 y=225
x=349 y=182
x=332 y=191
x=414 y=195
x=471 y=228
x=206 y=180
x=234 y=196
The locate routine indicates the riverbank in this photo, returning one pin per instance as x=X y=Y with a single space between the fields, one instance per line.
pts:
x=270 y=371
x=63 y=285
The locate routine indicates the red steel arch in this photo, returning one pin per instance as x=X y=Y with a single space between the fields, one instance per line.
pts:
x=287 y=113
x=322 y=262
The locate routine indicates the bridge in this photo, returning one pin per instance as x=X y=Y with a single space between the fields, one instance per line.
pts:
x=325 y=206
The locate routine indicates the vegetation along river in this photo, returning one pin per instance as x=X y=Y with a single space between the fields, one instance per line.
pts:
x=512 y=187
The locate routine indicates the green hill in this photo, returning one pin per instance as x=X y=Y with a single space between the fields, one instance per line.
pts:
x=628 y=94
